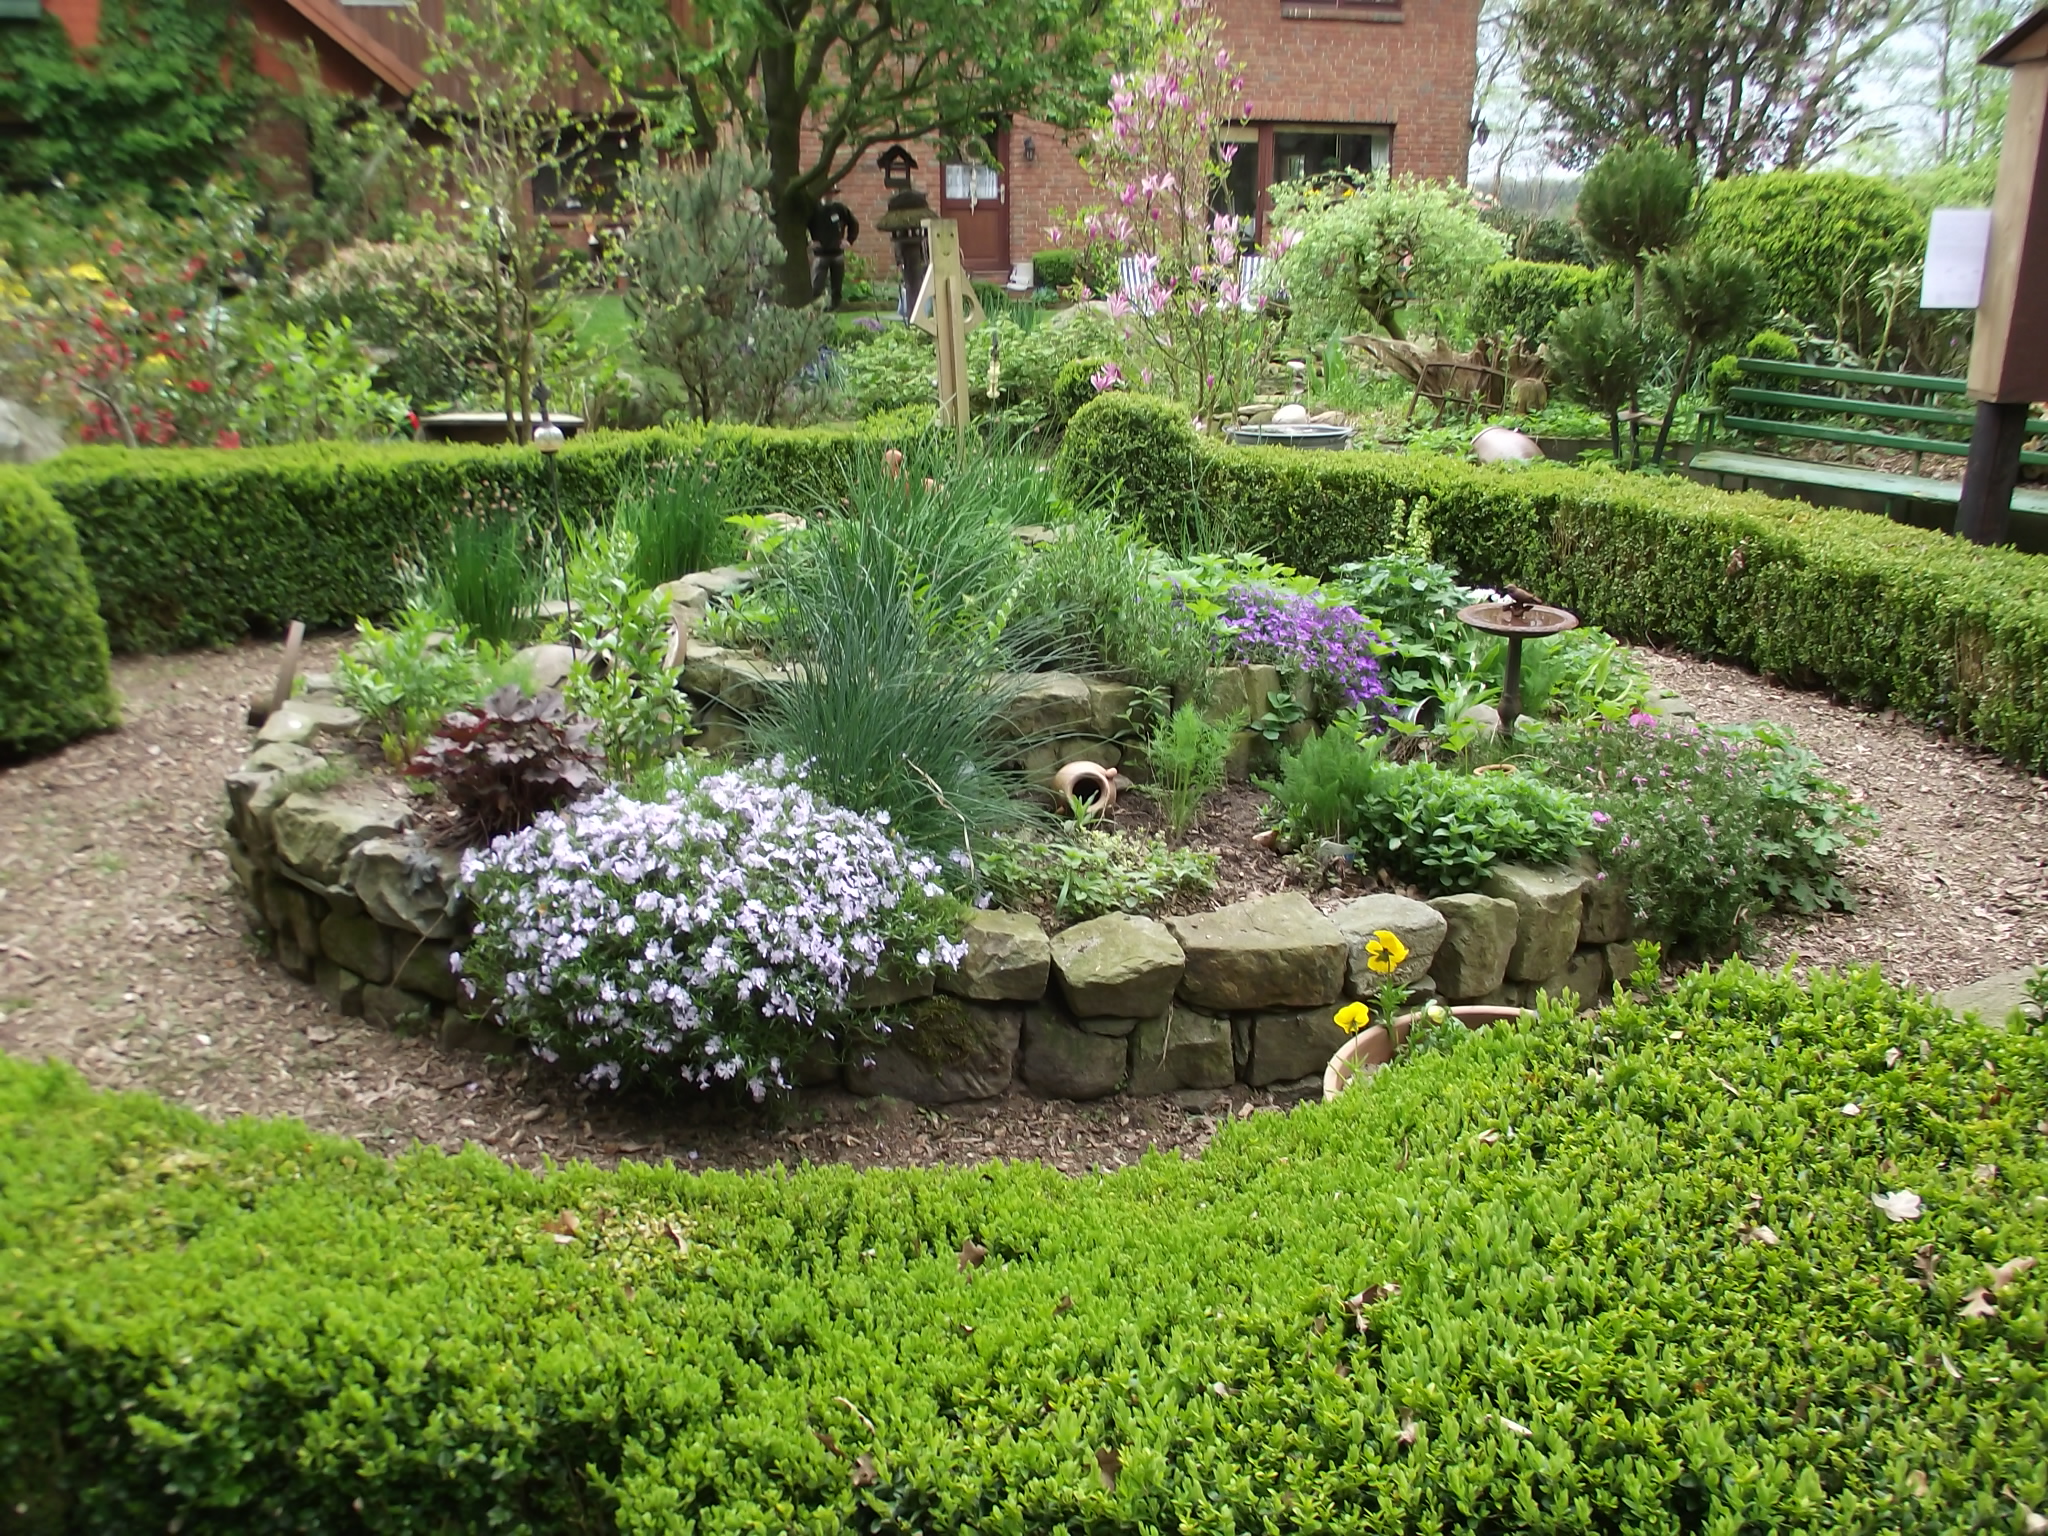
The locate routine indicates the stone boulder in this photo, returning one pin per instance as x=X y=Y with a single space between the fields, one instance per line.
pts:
x=1416 y=924
x=546 y=666
x=302 y=719
x=1060 y=1061
x=1110 y=715
x=1549 y=904
x=315 y=834
x=1605 y=917
x=1181 y=1049
x=403 y=883
x=1008 y=959
x=1117 y=967
x=1271 y=952
x=1286 y=1047
x=1049 y=704
x=1479 y=935
x=263 y=774
x=984 y=1058
x=359 y=943
x=26 y=437
x=1585 y=976
x=742 y=683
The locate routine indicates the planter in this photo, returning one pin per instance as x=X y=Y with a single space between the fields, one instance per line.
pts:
x=1370 y=1049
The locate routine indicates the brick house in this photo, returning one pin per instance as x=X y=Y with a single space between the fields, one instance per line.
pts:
x=1368 y=84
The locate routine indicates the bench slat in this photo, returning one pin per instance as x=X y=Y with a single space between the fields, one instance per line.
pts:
x=1849 y=435
x=1884 y=410
x=2029 y=499
x=1931 y=383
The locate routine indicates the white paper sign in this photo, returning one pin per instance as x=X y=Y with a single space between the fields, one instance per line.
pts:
x=1958 y=241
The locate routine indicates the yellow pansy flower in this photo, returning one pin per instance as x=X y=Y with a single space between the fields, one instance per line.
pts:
x=1384 y=953
x=1353 y=1017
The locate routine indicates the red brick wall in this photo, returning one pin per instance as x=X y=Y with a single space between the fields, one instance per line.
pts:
x=79 y=18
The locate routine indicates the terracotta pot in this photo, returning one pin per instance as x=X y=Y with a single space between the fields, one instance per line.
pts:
x=1090 y=783
x=1370 y=1049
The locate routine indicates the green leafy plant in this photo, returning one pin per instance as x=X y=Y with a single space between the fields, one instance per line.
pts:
x=684 y=519
x=488 y=576
x=1521 y=298
x=1600 y=356
x=54 y=682
x=1090 y=872
x=620 y=678
x=1437 y=828
x=406 y=678
x=419 y=303
x=1186 y=752
x=1708 y=297
x=1283 y=714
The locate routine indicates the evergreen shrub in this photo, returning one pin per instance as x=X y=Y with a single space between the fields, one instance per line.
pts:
x=1055 y=269
x=1882 y=613
x=53 y=648
x=1521 y=298
x=1636 y=1272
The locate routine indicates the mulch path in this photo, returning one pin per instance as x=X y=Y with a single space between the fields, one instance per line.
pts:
x=122 y=950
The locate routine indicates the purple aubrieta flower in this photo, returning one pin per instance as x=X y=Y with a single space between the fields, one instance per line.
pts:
x=1333 y=643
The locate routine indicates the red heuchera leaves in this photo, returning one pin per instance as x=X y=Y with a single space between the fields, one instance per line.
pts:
x=508 y=759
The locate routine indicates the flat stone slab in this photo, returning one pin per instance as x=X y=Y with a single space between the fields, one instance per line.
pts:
x=1184 y=1049
x=1271 y=952
x=1416 y=924
x=1473 y=960
x=1117 y=967
x=1008 y=959
x=316 y=833
x=1994 y=999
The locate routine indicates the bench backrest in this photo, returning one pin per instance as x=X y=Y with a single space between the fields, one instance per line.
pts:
x=1836 y=404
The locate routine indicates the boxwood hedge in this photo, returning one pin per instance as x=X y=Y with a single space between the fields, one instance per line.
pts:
x=1879 y=612
x=200 y=547
x=53 y=647
x=1620 y=1273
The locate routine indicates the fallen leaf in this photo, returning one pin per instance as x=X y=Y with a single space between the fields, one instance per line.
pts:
x=1063 y=1306
x=1978 y=1303
x=1488 y=1138
x=1760 y=1234
x=1372 y=1296
x=2003 y=1276
x=1507 y=1423
x=971 y=1255
x=1899 y=1205
x=864 y=1472
x=320 y=1034
x=1894 y=1056
x=1107 y=1465
x=1733 y=1091
x=1951 y=1367
x=1852 y=1109
x=1221 y=1390
x=1984 y=1173
x=1917 y=1481
x=1924 y=1261
x=1318 y=1326
x=565 y=1227
x=848 y=1406
x=2036 y=1524
x=676 y=1232
x=534 y=1113
x=1408 y=1432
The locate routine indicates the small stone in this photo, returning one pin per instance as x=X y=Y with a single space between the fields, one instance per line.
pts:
x=1994 y=1000
x=722 y=580
x=1621 y=962
x=282 y=757
x=544 y=666
x=1292 y=1045
x=1418 y=926
x=983 y=1062
x=1605 y=918
x=293 y=959
x=1270 y=952
x=1183 y=1049
x=299 y=913
x=1110 y=708
x=743 y=684
x=1585 y=976
x=1062 y=1062
x=1548 y=904
x=423 y=967
x=396 y=1008
x=1303 y=1090
x=316 y=833
x=1119 y=1029
x=404 y=883
x=1119 y=966
x=1008 y=958
x=340 y=986
x=465 y=1032
x=359 y=943
x=1478 y=938
x=887 y=991
x=290 y=725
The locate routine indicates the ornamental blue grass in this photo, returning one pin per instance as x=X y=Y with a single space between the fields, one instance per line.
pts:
x=1332 y=643
x=712 y=936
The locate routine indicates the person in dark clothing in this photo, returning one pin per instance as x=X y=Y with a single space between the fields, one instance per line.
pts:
x=833 y=229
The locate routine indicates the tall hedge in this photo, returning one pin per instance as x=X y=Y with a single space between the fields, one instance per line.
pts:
x=1616 y=1274
x=1819 y=236
x=1882 y=613
x=53 y=648
x=1521 y=298
x=200 y=547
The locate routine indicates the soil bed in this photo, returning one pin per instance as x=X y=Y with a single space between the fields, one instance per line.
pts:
x=122 y=951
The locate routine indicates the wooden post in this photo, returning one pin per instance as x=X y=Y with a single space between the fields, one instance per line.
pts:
x=947 y=309
x=2009 y=354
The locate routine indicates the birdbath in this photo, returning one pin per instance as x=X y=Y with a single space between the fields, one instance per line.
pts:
x=1516 y=621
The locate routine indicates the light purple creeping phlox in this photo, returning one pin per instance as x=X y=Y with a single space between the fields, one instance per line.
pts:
x=700 y=938
x=1334 y=644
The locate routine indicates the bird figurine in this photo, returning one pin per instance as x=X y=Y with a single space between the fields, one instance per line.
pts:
x=1521 y=598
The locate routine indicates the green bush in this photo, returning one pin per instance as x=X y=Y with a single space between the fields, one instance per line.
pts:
x=1622 y=1273
x=1521 y=298
x=1074 y=387
x=53 y=647
x=200 y=547
x=1882 y=613
x=1055 y=269
x=1819 y=236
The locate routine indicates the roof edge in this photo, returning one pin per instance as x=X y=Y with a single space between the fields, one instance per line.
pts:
x=379 y=60
x=2023 y=44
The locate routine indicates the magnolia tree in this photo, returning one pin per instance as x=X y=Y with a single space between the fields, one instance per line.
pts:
x=1194 y=326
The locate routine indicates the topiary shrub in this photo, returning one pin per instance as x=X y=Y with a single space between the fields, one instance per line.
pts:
x=1521 y=298
x=1635 y=1273
x=1075 y=387
x=53 y=648
x=1055 y=269
x=1881 y=612
x=1819 y=236
x=1725 y=373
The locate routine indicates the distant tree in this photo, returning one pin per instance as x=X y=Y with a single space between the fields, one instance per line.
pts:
x=814 y=86
x=1635 y=203
x=1599 y=355
x=1709 y=296
x=1735 y=85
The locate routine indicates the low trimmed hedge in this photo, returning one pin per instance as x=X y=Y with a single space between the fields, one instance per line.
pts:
x=200 y=547
x=1885 y=614
x=1621 y=1273
x=1521 y=298
x=54 y=683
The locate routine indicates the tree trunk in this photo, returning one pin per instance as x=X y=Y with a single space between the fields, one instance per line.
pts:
x=1671 y=406
x=782 y=111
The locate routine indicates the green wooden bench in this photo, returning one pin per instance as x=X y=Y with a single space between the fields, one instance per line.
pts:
x=1894 y=491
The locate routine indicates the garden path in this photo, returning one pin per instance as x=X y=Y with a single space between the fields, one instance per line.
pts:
x=122 y=951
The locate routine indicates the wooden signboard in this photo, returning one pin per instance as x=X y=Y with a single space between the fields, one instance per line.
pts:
x=947 y=310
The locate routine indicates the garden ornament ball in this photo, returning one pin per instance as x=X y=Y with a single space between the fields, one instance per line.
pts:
x=1500 y=445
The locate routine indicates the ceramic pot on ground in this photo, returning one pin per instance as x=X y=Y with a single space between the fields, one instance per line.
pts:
x=1372 y=1048
x=1090 y=784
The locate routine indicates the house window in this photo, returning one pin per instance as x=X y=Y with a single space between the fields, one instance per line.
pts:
x=1301 y=152
x=1238 y=195
x=967 y=183
x=1341 y=10
x=21 y=10
x=590 y=171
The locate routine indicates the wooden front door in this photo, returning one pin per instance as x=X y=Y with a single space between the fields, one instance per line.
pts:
x=977 y=198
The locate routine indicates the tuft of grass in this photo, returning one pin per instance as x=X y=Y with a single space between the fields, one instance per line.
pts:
x=488 y=576
x=1187 y=752
x=680 y=522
